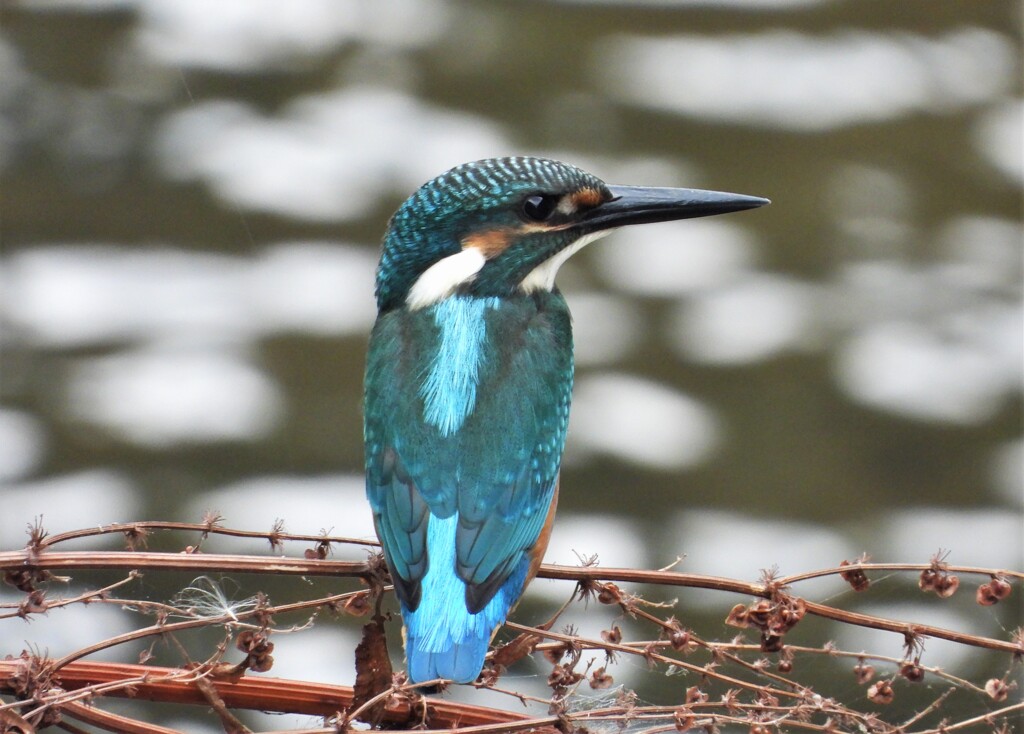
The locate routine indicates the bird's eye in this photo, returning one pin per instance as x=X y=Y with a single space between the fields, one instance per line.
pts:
x=538 y=207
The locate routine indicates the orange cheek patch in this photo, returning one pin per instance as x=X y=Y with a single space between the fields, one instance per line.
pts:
x=586 y=198
x=491 y=242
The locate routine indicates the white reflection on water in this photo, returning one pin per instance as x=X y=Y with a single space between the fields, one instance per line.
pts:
x=639 y=421
x=752 y=319
x=999 y=136
x=326 y=156
x=22 y=444
x=873 y=208
x=314 y=287
x=605 y=328
x=75 y=295
x=903 y=367
x=741 y=546
x=61 y=295
x=616 y=541
x=675 y=257
x=64 y=630
x=67 y=502
x=322 y=654
x=249 y=35
x=307 y=504
x=950 y=656
x=159 y=396
x=790 y=80
x=939 y=339
x=1007 y=468
x=990 y=538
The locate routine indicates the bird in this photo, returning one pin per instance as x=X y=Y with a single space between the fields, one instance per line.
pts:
x=468 y=385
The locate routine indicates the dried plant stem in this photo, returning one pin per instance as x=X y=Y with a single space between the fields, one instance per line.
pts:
x=200 y=622
x=648 y=654
x=211 y=562
x=174 y=685
x=670 y=578
x=197 y=562
x=112 y=722
x=729 y=683
x=274 y=536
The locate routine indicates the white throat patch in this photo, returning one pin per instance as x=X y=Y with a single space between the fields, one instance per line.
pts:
x=542 y=277
x=442 y=278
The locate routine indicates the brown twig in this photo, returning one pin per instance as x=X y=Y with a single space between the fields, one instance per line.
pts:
x=113 y=722
x=174 y=685
x=205 y=528
x=760 y=694
x=211 y=562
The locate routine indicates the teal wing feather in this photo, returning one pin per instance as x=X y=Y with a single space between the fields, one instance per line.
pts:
x=497 y=470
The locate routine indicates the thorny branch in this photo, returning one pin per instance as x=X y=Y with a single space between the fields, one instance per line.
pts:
x=732 y=682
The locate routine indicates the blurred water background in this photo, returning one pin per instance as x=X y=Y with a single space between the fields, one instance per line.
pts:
x=193 y=194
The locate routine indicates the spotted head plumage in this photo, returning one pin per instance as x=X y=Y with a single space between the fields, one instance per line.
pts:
x=503 y=216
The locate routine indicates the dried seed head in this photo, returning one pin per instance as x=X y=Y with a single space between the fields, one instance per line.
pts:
x=261 y=664
x=1000 y=587
x=792 y=613
x=599 y=680
x=985 y=597
x=738 y=617
x=680 y=639
x=770 y=642
x=881 y=692
x=912 y=672
x=35 y=603
x=785 y=666
x=258 y=649
x=863 y=672
x=855 y=577
x=998 y=689
x=695 y=695
x=993 y=592
x=563 y=676
x=554 y=654
x=613 y=636
x=946 y=586
x=609 y=594
x=926 y=581
x=683 y=719
x=488 y=677
x=937 y=579
x=760 y=614
x=26 y=579
x=246 y=640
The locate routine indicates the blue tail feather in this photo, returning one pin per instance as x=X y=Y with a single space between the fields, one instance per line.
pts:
x=443 y=639
x=461 y=662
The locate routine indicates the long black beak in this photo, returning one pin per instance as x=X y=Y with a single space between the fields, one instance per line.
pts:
x=645 y=205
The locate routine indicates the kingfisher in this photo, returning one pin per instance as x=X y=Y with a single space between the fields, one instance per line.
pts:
x=468 y=384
